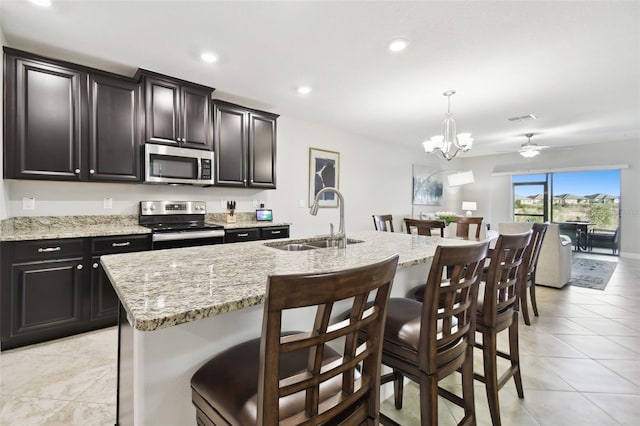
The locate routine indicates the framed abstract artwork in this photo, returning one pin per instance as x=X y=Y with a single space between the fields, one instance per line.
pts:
x=427 y=186
x=324 y=171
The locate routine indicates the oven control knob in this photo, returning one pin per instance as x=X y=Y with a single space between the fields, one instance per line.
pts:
x=152 y=208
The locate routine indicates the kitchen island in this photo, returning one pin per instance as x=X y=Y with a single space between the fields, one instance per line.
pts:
x=182 y=306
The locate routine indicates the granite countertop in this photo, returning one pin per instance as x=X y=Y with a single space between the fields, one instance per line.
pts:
x=49 y=227
x=164 y=288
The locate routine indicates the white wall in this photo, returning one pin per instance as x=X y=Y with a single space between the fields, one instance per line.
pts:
x=375 y=178
x=493 y=193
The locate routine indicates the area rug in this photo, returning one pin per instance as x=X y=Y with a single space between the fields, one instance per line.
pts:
x=591 y=273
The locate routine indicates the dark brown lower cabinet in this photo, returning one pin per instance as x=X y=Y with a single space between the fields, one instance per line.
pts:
x=56 y=288
x=253 y=234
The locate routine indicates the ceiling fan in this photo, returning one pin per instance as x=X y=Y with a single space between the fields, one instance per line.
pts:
x=531 y=149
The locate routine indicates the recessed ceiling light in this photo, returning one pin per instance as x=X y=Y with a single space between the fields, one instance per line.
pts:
x=41 y=3
x=398 y=45
x=304 y=90
x=209 y=57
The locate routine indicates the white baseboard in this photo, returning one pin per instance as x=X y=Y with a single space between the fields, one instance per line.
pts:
x=630 y=255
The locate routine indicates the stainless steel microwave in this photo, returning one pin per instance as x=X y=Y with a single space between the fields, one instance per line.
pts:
x=168 y=164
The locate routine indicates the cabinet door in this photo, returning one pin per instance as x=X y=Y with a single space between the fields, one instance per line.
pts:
x=46 y=301
x=44 y=120
x=230 y=126
x=114 y=153
x=104 y=300
x=162 y=106
x=195 y=120
x=262 y=150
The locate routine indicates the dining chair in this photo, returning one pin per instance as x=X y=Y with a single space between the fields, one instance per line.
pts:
x=462 y=226
x=424 y=227
x=427 y=342
x=300 y=377
x=497 y=310
x=383 y=222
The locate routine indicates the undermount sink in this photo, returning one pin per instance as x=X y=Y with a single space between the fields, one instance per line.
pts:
x=294 y=247
x=309 y=244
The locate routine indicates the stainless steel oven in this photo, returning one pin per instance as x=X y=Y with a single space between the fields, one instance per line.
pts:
x=179 y=224
x=169 y=164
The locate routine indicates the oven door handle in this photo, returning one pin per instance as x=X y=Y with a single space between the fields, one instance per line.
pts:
x=186 y=235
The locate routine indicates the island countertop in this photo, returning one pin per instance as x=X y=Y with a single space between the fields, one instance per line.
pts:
x=164 y=288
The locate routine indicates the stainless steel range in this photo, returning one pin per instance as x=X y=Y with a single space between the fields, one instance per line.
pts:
x=179 y=224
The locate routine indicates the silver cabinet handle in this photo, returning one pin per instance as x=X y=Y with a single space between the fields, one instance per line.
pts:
x=275 y=232
x=92 y=171
x=48 y=249
x=77 y=171
x=243 y=235
x=79 y=267
x=128 y=243
x=95 y=265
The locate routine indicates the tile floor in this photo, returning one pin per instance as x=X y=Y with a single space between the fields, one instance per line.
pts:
x=580 y=364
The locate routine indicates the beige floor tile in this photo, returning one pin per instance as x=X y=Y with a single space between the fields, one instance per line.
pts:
x=25 y=411
x=544 y=344
x=604 y=326
x=84 y=413
x=629 y=369
x=597 y=347
x=586 y=375
x=554 y=408
x=630 y=342
x=625 y=409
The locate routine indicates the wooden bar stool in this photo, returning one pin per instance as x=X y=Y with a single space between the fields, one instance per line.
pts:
x=529 y=271
x=429 y=341
x=296 y=378
x=497 y=310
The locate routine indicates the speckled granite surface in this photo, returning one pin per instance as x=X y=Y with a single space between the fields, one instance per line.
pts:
x=48 y=227
x=243 y=220
x=164 y=288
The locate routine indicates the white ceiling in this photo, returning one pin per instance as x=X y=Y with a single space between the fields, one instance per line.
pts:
x=575 y=65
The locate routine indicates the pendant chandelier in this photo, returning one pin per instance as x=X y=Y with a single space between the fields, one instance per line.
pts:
x=449 y=143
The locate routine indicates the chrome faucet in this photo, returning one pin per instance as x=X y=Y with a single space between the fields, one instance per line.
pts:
x=314 y=211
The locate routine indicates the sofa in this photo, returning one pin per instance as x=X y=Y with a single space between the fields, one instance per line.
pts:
x=554 y=262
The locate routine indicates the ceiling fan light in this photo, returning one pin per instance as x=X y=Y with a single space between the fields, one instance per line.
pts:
x=530 y=153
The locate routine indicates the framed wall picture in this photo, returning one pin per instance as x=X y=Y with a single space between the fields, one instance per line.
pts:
x=427 y=186
x=324 y=171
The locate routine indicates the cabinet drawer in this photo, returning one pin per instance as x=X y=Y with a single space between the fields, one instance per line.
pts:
x=120 y=244
x=274 y=232
x=48 y=249
x=237 y=235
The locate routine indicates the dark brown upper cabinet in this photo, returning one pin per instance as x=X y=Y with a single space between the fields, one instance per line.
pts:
x=44 y=119
x=114 y=129
x=177 y=112
x=68 y=122
x=245 y=146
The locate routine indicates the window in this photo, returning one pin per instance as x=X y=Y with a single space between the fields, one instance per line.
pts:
x=592 y=197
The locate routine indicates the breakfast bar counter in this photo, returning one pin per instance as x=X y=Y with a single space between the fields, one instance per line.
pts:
x=179 y=307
